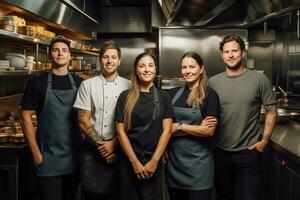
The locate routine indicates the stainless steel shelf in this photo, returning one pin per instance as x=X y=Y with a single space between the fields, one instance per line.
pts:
x=78 y=51
x=7 y=35
x=19 y=72
x=12 y=36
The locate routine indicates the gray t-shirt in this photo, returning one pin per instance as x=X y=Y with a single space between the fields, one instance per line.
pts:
x=241 y=98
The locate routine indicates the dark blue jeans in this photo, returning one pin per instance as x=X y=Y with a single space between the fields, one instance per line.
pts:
x=238 y=174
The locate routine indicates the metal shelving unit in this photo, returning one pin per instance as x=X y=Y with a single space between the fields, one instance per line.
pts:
x=26 y=40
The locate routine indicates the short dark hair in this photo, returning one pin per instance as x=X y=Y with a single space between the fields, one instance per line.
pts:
x=109 y=45
x=60 y=38
x=232 y=37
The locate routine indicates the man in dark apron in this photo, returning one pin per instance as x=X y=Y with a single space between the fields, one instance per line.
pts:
x=54 y=144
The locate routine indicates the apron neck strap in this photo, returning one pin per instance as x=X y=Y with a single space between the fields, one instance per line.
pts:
x=177 y=95
x=49 y=82
x=72 y=81
x=156 y=109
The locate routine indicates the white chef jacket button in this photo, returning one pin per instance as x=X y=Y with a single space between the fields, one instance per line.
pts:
x=106 y=97
x=105 y=84
x=105 y=111
x=116 y=96
x=104 y=125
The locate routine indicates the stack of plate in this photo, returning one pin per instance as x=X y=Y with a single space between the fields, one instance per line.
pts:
x=4 y=64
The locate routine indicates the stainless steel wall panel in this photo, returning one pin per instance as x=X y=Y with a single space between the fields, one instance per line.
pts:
x=175 y=42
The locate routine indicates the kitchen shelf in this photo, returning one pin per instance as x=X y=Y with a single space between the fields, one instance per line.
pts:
x=78 y=51
x=8 y=35
x=25 y=39
x=20 y=72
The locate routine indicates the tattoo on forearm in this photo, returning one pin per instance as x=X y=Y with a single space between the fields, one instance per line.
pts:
x=92 y=130
x=265 y=137
x=271 y=109
x=82 y=113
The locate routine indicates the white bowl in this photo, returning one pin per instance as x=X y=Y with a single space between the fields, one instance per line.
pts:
x=16 y=61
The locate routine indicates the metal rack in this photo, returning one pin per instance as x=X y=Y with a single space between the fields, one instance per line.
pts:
x=28 y=40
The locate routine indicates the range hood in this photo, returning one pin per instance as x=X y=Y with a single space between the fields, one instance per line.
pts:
x=128 y=16
x=62 y=15
x=226 y=13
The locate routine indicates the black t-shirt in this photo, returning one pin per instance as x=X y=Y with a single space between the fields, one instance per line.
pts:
x=209 y=107
x=142 y=115
x=35 y=92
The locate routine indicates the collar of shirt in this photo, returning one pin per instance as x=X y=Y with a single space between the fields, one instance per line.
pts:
x=104 y=79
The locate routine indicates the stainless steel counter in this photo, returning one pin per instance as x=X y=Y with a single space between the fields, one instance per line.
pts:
x=288 y=136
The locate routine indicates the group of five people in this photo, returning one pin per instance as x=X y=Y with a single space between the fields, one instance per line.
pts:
x=136 y=136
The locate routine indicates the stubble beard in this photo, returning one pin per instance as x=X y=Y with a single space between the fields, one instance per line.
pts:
x=236 y=67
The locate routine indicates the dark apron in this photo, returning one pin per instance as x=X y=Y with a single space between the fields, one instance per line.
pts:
x=190 y=164
x=131 y=187
x=57 y=132
x=97 y=176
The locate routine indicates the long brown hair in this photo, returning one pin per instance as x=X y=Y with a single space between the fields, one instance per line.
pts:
x=198 y=93
x=134 y=91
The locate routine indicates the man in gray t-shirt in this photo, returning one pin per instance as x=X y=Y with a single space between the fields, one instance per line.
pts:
x=238 y=146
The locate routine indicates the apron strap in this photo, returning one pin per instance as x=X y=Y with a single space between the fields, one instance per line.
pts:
x=49 y=87
x=72 y=81
x=195 y=106
x=156 y=109
x=177 y=95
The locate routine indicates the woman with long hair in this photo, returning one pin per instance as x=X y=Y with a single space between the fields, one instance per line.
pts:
x=190 y=164
x=144 y=122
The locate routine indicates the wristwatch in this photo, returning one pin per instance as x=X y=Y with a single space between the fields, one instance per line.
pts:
x=179 y=126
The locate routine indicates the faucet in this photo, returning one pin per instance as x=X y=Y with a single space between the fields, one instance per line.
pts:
x=285 y=95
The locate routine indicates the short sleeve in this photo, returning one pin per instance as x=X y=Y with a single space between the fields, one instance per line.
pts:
x=119 y=117
x=168 y=109
x=212 y=104
x=83 y=99
x=266 y=93
x=30 y=99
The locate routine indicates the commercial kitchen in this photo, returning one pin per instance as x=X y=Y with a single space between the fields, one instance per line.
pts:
x=167 y=28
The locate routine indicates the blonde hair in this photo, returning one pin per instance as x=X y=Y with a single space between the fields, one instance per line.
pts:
x=134 y=91
x=197 y=94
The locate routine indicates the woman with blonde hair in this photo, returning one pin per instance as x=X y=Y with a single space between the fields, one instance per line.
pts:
x=190 y=165
x=144 y=121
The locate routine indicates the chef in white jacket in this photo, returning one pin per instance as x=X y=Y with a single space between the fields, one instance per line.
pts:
x=96 y=101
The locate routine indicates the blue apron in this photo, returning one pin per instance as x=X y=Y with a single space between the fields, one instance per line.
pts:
x=57 y=131
x=190 y=164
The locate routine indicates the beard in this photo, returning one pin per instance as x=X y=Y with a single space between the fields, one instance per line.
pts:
x=236 y=66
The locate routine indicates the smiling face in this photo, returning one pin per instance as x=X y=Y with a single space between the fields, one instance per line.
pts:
x=146 y=69
x=110 y=62
x=60 y=55
x=191 y=70
x=232 y=55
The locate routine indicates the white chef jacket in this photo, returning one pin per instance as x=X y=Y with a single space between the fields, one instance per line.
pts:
x=100 y=97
